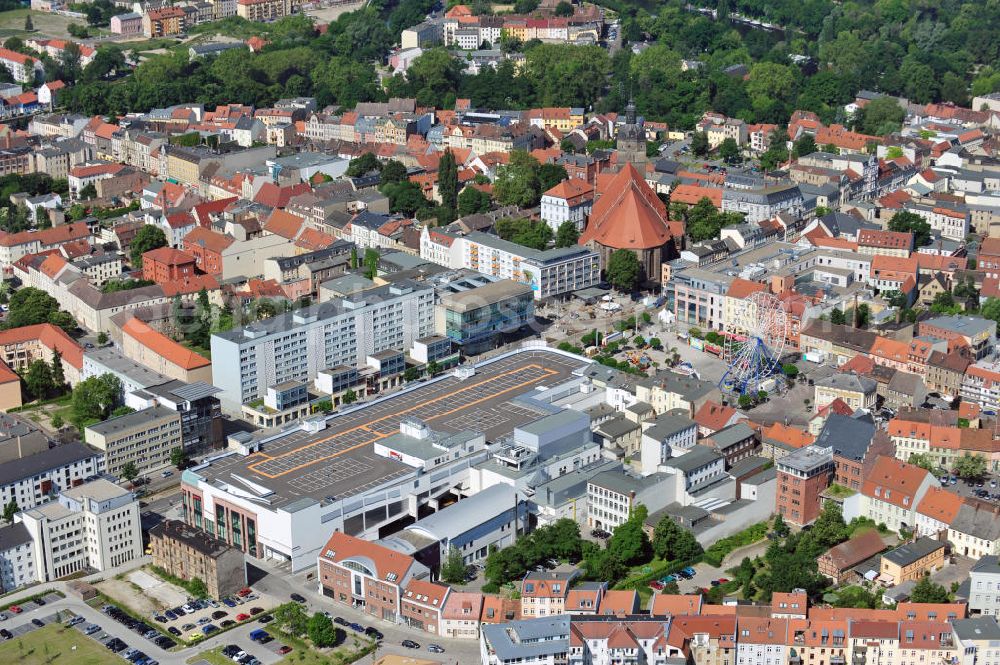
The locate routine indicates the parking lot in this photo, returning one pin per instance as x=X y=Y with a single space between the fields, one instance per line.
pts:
x=195 y=619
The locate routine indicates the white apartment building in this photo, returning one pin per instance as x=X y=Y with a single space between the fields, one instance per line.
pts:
x=30 y=480
x=951 y=224
x=296 y=346
x=571 y=200
x=549 y=273
x=17 y=560
x=94 y=526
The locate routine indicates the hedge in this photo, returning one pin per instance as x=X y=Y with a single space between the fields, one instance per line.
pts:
x=717 y=552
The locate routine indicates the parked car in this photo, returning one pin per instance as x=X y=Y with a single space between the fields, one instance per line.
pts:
x=297 y=598
x=340 y=621
x=38 y=622
x=245 y=591
x=410 y=644
x=254 y=611
x=227 y=623
x=242 y=616
x=6 y=634
x=16 y=609
x=210 y=628
x=374 y=633
x=173 y=631
x=656 y=585
x=356 y=626
x=218 y=614
x=284 y=649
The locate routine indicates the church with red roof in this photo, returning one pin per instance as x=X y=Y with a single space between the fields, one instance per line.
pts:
x=629 y=215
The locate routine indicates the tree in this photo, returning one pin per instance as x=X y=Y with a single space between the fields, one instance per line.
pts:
x=699 y=144
x=353 y=261
x=472 y=201
x=363 y=165
x=102 y=338
x=567 y=234
x=197 y=588
x=910 y=222
x=448 y=180
x=411 y=374
x=38 y=379
x=58 y=375
x=321 y=630
x=838 y=317
x=517 y=181
x=9 y=510
x=991 y=309
x=30 y=306
x=970 y=467
x=29 y=26
x=564 y=9
x=148 y=238
x=672 y=542
x=550 y=175
x=623 y=270
x=371 y=263
x=95 y=397
x=927 y=591
x=922 y=460
x=728 y=150
x=629 y=542
x=392 y=172
x=350 y=397
x=453 y=568
x=129 y=471
x=790 y=370
x=806 y=145
x=292 y=617
x=88 y=191
x=779 y=527
x=433 y=368
x=178 y=457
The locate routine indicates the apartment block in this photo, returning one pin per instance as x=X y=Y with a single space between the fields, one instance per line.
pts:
x=803 y=475
x=144 y=438
x=93 y=526
x=296 y=346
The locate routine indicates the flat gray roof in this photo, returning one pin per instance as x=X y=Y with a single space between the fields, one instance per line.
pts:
x=340 y=461
x=695 y=458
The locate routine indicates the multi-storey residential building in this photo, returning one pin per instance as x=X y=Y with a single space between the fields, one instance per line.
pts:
x=144 y=438
x=976 y=640
x=422 y=605
x=460 y=617
x=975 y=531
x=544 y=593
x=149 y=347
x=569 y=201
x=476 y=319
x=264 y=10
x=297 y=345
x=890 y=494
x=761 y=204
x=366 y=575
x=858 y=392
x=94 y=525
x=163 y=22
x=17 y=560
x=189 y=553
x=981 y=385
x=22 y=68
x=984 y=586
x=19 y=347
x=855 y=445
x=549 y=273
x=802 y=477
x=974 y=332
x=936 y=511
x=911 y=561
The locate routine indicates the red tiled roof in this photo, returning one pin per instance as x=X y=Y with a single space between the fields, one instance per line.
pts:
x=47 y=237
x=713 y=416
x=169 y=256
x=940 y=504
x=390 y=565
x=210 y=240
x=170 y=350
x=741 y=288
x=691 y=194
x=894 y=481
x=190 y=284
x=675 y=604
x=628 y=215
x=53 y=337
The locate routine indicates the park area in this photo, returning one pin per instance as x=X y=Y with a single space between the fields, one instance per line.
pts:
x=45 y=24
x=54 y=643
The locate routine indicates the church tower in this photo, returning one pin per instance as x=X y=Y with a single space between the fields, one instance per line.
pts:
x=632 y=140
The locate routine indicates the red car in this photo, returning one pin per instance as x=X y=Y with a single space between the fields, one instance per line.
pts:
x=656 y=584
x=285 y=649
x=245 y=591
x=15 y=609
x=242 y=617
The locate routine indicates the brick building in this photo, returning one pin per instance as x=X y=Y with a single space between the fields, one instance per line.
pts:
x=190 y=553
x=167 y=264
x=803 y=475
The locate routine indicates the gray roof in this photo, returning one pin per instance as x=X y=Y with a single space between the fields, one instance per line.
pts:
x=963 y=325
x=53 y=458
x=687 y=387
x=617 y=427
x=977 y=523
x=910 y=553
x=977 y=628
x=623 y=483
x=533 y=638
x=13 y=535
x=731 y=435
x=861 y=384
x=848 y=436
x=132 y=420
x=465 y=515
x=695 y=458
x=668 y=424
x=806 y=459
x=987 y=564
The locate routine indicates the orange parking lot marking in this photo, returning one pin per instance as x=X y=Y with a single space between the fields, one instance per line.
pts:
x=376 y=436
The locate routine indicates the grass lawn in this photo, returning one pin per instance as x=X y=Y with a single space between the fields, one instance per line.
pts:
x=55 y=644
x=45 y=23
x=214 y=657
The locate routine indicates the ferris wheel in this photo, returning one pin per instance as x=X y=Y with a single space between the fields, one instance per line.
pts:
x=755 y=340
